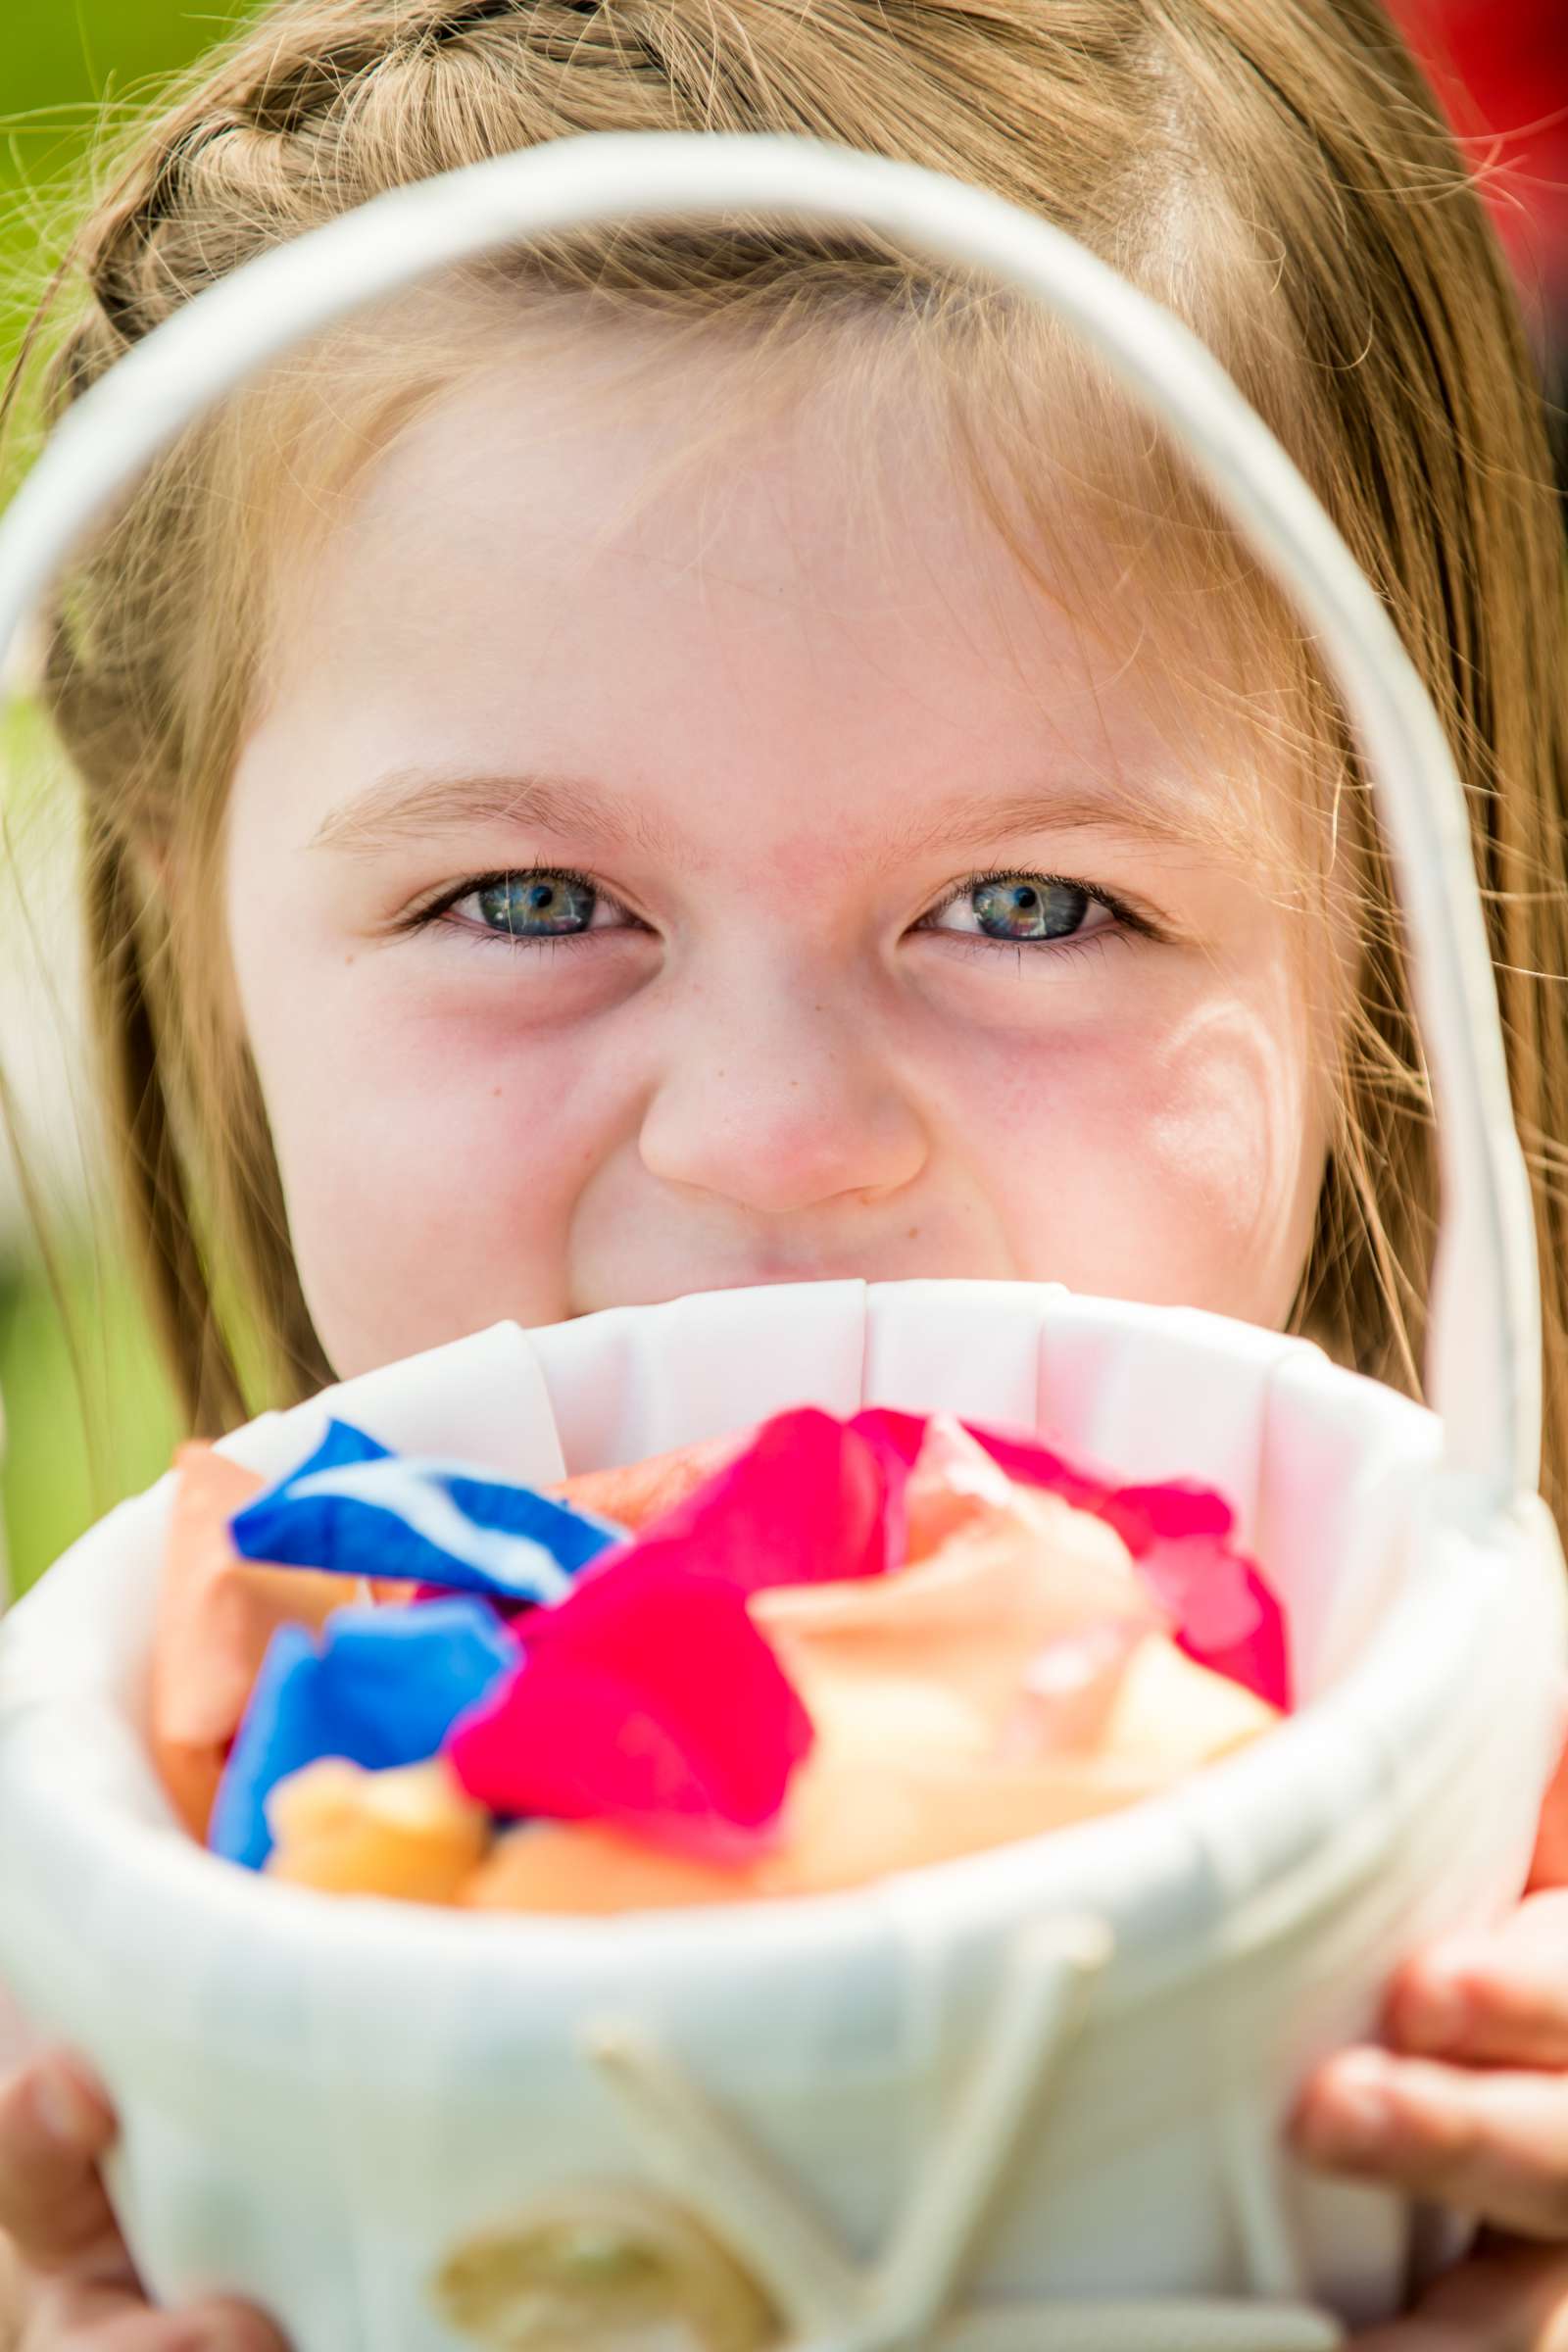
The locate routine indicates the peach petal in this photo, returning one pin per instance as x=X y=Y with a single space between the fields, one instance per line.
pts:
x=1004 y=1586
x=894 y=1788
x=637 y=1492
x=409 y=1833
x=216 y=1615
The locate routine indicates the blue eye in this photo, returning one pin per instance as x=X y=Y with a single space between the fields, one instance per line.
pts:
x=536 y=905
x=1029 y=910
x=1022 y=910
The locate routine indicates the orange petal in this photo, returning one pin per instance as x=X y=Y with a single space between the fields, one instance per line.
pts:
x=933 y=1809
x=216 y=1614
x=593 y=1870
x=904 y=1799
x=954 y=1481
x=409 y=1833
x=899 y=1779
x=638 y=1492
x=850 y=1821
x=1173 y=1715
x=1002 y=1588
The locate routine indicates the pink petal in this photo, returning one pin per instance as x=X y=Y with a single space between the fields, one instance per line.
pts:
x=1228 y=1617
x=805 y=1504
x=1035 y=1465
x=649 y=1699
x=896 y=1437
x=896 y=1440
x=1144 y=1516
x=953 y=1486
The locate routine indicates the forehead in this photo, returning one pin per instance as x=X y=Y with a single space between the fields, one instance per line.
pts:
x=660 y=560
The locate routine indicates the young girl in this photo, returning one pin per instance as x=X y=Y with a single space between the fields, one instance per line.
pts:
x=541 y=858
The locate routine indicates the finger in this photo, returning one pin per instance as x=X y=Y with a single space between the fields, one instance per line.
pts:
x=1494 y=2000
x=1513 y=2302
x=1549 y=1867
x=1494 y=2144
x=55 y=2124
x=95 y=2318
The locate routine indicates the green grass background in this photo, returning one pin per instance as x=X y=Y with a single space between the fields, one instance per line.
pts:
x=88 y=1417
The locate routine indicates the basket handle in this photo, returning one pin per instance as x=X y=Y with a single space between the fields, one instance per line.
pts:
x=1483 y=1348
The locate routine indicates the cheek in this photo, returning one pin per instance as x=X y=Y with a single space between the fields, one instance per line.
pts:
x=1175 y=1158
x=430 y=1167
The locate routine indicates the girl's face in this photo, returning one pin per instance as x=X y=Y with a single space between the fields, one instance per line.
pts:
x=646 y=879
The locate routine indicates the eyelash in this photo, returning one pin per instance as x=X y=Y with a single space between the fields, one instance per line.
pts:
x=1128 y=919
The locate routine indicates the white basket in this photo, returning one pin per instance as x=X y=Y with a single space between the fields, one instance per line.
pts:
x=322 y=2100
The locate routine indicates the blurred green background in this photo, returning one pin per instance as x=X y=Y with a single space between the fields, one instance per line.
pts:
x=66 y=67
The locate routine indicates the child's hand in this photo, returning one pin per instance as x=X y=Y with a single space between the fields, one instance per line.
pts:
x=1468 y=2105
x=78 y=2290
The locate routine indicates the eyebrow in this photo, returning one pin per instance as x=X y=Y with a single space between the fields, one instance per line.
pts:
x=411 y=804
x=1156 y=814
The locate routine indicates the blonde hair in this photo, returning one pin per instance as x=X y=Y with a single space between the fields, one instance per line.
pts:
x=1274 y=169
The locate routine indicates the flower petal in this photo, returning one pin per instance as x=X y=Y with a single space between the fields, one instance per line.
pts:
x=1144 y=1516
x=635 y=1493
x=409 y=1833
x=1035 y=1465
x=1228 y=1618
x=356 y=1509
x=647 y=1698
x=805 y=1504
x=383 y=1689
x=1227 y=1615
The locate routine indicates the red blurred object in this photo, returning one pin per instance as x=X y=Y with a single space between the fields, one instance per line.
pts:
x=1501 y=68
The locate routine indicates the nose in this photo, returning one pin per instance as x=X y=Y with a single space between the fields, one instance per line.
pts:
x=782 y=1107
